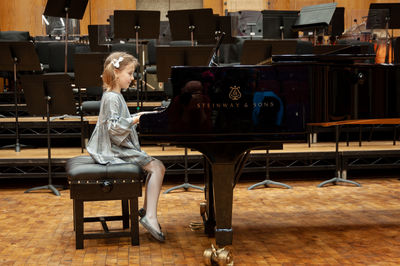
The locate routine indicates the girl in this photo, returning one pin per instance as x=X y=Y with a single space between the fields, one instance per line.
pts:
x=114 y=139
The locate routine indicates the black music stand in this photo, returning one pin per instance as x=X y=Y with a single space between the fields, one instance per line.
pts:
x=385 y=16
x=140 y=24
x=393 y=9
x=192 y=24
x=14 y=57
x=168 y=56
x=97 y=38
x=88 y=70
x=277 y=24
x=48 y=95
x=66 y=9
x=256 y=52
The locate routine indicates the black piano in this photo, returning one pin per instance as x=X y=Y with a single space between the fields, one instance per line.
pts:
x=224 y=112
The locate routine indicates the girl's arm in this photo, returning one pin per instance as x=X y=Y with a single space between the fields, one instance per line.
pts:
x=136 y=117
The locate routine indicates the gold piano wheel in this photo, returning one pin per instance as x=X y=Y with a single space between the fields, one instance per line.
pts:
x=203 y=208
x=213 y=256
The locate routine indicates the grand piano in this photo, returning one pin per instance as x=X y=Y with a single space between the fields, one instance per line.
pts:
x=224 y=112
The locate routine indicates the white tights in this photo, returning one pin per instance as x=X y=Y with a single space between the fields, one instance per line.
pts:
x=155 y=170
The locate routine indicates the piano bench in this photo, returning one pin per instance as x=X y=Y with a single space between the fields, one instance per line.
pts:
x=90 y=181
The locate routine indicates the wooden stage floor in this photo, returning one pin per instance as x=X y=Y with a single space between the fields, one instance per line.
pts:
x=334 y=225
x=65 y=152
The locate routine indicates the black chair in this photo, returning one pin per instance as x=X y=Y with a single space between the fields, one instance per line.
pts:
x=42 y=49
x=15 y=36
x=129 y=48
x=57 y=56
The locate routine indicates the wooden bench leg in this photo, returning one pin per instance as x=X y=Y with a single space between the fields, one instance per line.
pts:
x=125 y=214
x=134 y=221
x=78 y=220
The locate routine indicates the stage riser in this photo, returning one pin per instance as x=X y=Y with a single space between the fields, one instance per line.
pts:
x=278 y=163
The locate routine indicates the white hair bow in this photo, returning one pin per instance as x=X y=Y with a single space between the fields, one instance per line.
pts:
x=116 y=62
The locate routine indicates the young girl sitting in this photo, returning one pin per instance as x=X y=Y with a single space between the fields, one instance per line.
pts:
x=115 y=140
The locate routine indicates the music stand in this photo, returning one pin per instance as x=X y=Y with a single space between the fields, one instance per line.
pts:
x=394 y=11
x=66 y=9
x=140 y=24
x=315 y=17
x=168 y=56
x=222 y=26
x=384 y=16
x=14 y=57
x=255 y=52
x=192 y=24
x=277 y=24
x=48 y=95
x=88 y=70
x=97 y=38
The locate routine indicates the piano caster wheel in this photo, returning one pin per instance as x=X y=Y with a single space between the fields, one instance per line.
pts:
x=221 y=256
x=203 y=211
x=203 y=208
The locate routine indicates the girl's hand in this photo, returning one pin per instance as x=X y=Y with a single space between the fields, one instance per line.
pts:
x=136 y=119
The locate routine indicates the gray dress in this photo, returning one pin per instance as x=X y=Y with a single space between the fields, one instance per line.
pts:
x=114 y=139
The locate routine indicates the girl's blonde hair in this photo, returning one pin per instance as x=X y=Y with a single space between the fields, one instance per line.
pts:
x=116 y=60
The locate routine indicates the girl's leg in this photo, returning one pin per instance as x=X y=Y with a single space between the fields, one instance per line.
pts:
x=156 y=172
x=145 y=194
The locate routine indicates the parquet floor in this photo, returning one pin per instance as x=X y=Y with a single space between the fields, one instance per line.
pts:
x=67 y=152
x=334 y=225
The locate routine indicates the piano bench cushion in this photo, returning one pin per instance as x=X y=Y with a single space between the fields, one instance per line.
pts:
x=85 y=169
x=92 y=181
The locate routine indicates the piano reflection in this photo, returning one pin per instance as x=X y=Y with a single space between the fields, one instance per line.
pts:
x=224 y=112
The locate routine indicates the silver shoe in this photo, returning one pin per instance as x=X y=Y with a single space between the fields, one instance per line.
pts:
x=142 y=213
x=157 y=235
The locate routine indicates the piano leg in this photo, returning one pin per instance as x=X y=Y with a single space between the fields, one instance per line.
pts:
x=220 y=172
x=209 y=224
x=223 y=199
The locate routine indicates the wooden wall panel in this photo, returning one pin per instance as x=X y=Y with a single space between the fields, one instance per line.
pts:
x=98 y=11
x=217 y=6
x=26 y=14
x=237 y=5
x=22 y=15
x=164 y=6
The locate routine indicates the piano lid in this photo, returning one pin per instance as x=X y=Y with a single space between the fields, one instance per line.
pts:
x=234 y=101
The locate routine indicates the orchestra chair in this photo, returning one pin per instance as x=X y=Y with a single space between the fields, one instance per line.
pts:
x=90 y=181
x=42 y=50
x=57 y=56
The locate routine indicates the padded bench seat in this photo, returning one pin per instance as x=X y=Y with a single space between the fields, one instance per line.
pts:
x=90 y=181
